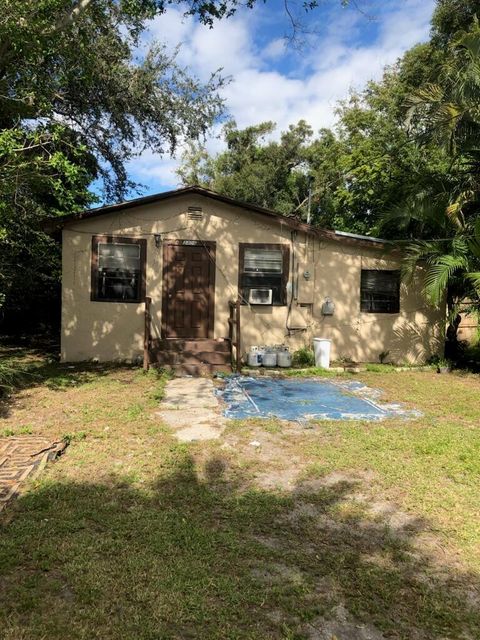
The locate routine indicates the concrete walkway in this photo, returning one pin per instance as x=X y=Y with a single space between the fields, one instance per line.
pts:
x=192 y=410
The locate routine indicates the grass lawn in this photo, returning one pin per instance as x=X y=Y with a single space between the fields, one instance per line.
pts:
x=346 y=530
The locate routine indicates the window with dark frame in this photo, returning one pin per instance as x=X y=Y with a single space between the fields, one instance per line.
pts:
x=118 y=269
x=380 y=291
x=264 y=267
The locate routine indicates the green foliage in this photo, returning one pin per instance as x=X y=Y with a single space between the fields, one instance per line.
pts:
x=77 y=436
x=254 y=168
x=159 y=377
x=80 y=95
x=450 y=17
x=373 y=367
x=444 y=363
x=369 y=175
x=356 y=173
x=309 y=372
x=304 y=357
x=11 y=376
x=82 y=67
x=447 y=114
x=43 y=174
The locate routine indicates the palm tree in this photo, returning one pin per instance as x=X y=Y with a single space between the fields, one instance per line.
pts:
x=448 y=215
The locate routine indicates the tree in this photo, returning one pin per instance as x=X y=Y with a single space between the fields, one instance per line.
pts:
x=36 y=183
x=79 y=97
x=447 y=114
x=451 y=17
x=253 y=168
x=84 y=64
x=81 y=93
x=83 y=68
x=356 y=172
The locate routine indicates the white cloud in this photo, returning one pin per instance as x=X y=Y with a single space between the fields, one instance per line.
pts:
x=275 y=49
x=273 y=82
x=155 y=172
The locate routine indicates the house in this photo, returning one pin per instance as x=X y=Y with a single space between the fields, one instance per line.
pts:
x=186 y=274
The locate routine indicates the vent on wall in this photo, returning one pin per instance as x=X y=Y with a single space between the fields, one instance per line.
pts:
x=195 y=213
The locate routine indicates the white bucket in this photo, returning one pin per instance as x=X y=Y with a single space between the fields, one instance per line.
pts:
x=284 y=359
x=321 y=347
x=269 y=359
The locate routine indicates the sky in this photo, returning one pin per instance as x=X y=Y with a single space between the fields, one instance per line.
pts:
x=275 y=79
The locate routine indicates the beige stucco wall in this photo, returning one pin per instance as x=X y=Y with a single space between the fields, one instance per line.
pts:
x=469 y=327
x=112 y=331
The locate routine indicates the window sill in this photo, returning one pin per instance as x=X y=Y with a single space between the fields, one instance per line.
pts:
x=274 y=304
x=110 y=300
x=381 y=313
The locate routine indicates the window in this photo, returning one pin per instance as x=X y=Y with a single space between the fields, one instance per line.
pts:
x=118 y=269
x=264 y=267
x=380 y=291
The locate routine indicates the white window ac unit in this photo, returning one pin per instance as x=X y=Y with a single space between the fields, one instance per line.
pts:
x=260 y=296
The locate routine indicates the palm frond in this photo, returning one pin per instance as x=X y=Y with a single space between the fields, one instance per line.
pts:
x=470 y=42
x=474 y=278
x=440 y=272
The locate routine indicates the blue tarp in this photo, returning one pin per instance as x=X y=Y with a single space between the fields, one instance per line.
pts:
x=303 y=399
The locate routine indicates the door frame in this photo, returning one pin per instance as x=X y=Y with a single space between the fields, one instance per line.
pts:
x=211 y=248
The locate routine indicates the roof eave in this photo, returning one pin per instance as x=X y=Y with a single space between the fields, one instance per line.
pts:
x=56 y=224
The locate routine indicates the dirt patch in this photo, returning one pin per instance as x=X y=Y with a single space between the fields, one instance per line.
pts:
x=279 y=573
x=274 y=467
x=340 y=627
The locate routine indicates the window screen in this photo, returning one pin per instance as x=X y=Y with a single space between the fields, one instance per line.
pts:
x=117 y=271
x=264 y=267
x=380 y=291
x=263 y=261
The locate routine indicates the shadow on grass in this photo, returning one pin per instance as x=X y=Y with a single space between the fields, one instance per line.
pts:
x=19 y=375
x=197 y=555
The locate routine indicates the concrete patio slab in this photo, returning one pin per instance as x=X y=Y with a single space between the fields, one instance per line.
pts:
x=190 y=393
x=181 y=418
x=191 y=409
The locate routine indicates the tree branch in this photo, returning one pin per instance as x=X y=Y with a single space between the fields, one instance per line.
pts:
x=72 y=15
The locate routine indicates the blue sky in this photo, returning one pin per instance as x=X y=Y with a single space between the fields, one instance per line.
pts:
x=275 y=80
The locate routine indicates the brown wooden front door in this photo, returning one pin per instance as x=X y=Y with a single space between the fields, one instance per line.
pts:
x=188 y=289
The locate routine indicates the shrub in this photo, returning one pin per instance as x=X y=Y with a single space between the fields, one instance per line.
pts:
x=304 y=357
